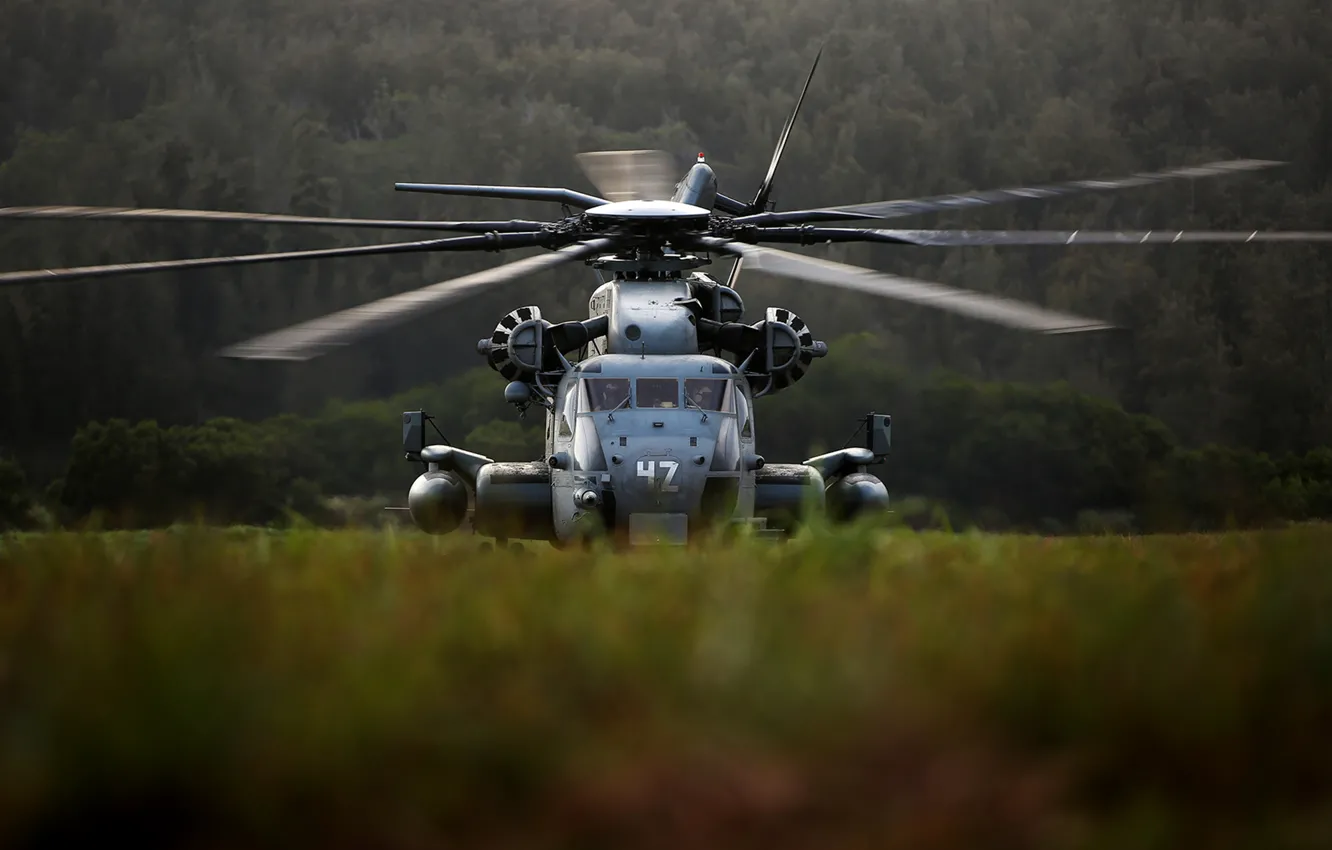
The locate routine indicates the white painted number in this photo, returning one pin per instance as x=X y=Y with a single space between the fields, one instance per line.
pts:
x=671 y=467
x=648 y=469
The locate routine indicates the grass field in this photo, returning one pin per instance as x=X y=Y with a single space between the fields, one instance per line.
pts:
x=200 y=688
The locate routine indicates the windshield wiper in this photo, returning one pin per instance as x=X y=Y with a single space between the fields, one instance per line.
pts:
x=689 y=402
x=610 y=415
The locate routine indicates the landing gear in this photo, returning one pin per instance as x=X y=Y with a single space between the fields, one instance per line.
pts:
x=502 y=545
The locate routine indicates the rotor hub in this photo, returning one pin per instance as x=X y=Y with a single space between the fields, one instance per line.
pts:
x=632 y=212
x=666 y=264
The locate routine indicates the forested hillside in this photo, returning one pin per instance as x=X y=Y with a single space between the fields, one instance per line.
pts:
x=995 y=456
x=310 y=107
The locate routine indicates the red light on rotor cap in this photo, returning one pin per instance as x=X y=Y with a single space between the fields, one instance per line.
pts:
x=700 y=156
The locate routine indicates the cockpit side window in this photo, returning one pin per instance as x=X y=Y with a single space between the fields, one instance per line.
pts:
x=568 y=409
x=606 y=393
x=710 y=393
x=742 y=404
x=658 y=393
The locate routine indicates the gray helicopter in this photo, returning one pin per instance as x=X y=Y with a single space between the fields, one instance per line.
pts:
x=649 y=402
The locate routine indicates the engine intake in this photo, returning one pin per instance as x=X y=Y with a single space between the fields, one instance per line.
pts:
x=517 y=347
x=789 y=347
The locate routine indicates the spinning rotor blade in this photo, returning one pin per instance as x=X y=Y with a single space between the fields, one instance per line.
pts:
x=521 y=193
x=990 y=308
x=492 y=242
x=136 y=214
x=760 y=203
x=319 y=336
x=944 y=238
x=967 y=200
x=801 y=217
x=630 y=175
x=821 y=235
x=1095 y=237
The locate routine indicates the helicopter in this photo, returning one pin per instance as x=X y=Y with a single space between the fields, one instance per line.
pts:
x=649 y=401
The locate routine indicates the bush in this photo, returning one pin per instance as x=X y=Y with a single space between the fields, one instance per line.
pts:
x=1108 y=523
x=143 y=475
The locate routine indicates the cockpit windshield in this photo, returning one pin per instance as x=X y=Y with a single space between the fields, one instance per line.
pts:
x=711 y=394
x=658 y=393
x=707 y=394
x=606 y=393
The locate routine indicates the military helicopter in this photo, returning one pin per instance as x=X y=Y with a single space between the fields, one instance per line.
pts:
x=650 y=426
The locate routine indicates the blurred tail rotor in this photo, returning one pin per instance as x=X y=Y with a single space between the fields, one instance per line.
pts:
x=643 y=175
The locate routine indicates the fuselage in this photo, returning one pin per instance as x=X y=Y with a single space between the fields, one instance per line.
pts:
x=665 y=441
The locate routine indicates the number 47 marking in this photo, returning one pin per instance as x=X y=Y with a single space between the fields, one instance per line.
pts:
x=668 y=468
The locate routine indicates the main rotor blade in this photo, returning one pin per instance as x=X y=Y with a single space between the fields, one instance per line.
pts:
x=765 y=189
x=643 y=175
x=145 y=214
x=1091 y=237
x=967 y=200
x=809 y=235
x=319 y=336
x=492 y=242
x=943 y=238
x=521 y=193
x=990 y=308
x=801 y=217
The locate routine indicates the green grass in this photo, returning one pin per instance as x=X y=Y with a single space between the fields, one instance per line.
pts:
x=236 y=688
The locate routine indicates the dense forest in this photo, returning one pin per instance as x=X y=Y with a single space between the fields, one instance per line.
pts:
x=306 y=107
x=996 y=456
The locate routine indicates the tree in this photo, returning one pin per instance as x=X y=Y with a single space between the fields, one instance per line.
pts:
x=15 y=501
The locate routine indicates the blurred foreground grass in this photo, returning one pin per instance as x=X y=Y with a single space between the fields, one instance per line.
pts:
x=230 y=688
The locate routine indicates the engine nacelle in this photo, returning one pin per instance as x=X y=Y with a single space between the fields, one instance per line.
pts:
x=856 y=495
x=716 y=301
x=775 y=353
x=437 y=502
x=788 y=347
x=523 y=344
